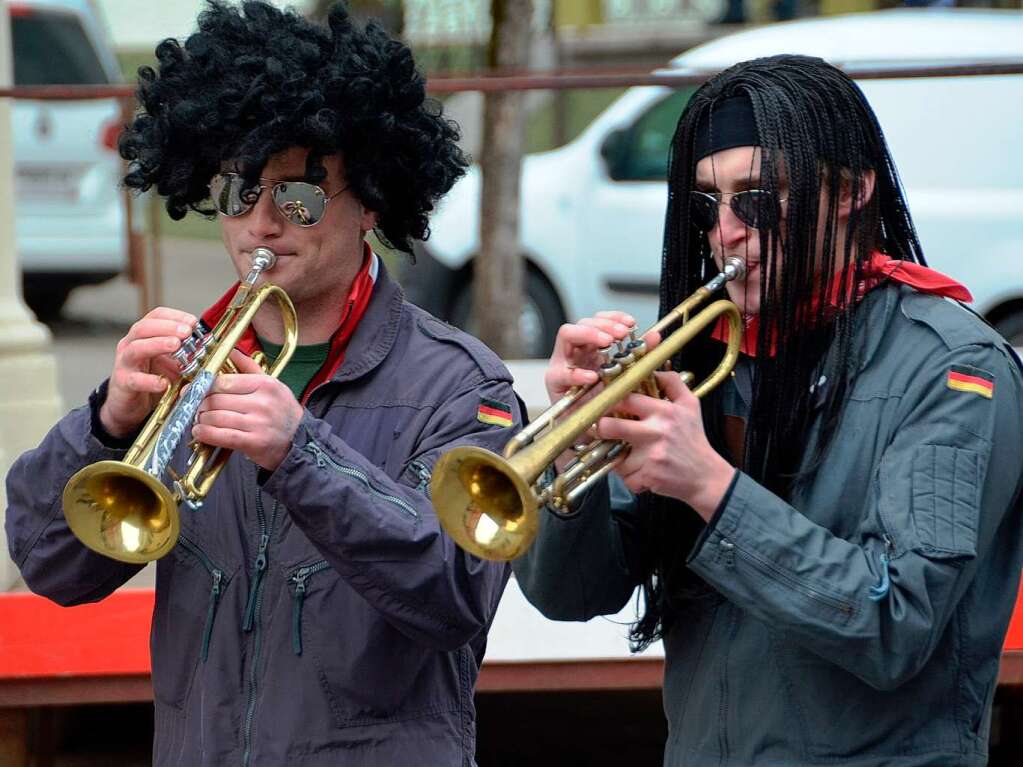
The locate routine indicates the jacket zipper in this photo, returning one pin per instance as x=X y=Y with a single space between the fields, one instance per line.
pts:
x=424 y=476
x=772 y=569
x=299 y=578
x=880 y=591
x=723 y=745
x=252 y=613
x=323 y=460
x=219 y=581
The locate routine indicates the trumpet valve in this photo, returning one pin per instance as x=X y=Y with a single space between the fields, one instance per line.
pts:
x=193 y=350
x=610 y=371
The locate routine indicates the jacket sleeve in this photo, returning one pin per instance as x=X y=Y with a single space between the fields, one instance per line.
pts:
x=52 y=561
x=584 y=564
x=878 y=606
x=383 y=536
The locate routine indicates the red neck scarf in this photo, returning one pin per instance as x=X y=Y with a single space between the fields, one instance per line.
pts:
x=878 y=269
x=351 y=312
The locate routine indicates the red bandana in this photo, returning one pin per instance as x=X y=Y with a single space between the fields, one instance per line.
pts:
x=877 y=270
x=352 y=311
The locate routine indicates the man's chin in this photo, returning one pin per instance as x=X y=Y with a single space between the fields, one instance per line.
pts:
x=746 y=303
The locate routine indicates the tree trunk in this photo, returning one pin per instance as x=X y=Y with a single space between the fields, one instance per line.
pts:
x=498 y=296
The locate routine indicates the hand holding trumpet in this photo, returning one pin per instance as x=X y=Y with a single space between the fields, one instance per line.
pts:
x=143 y=369
x=669 y=451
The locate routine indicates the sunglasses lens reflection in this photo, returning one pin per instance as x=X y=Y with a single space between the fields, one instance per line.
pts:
x=230 y=195
x=704 y=211
x=754 y=208
x=299 y=202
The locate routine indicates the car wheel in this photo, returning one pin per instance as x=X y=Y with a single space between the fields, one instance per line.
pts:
x=1011 y=328
x=539 y=321
x=46 y=299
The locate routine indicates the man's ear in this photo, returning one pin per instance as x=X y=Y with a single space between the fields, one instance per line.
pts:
x=369 y=219
x=846 y=201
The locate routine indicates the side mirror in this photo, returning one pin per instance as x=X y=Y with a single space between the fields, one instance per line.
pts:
x=615 y=151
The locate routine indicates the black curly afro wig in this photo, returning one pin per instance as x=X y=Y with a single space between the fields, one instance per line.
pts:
x=254 y=80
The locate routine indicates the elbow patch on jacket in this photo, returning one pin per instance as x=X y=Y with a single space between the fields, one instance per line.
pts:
x=946 y=496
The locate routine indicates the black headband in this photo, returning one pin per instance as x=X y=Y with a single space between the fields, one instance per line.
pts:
x=728 y=123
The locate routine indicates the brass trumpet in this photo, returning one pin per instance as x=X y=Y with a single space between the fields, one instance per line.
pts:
x=122 y=509
x=489 y=504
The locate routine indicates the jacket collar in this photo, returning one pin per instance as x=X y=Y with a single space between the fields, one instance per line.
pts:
x=377 y=331
x=371 y=340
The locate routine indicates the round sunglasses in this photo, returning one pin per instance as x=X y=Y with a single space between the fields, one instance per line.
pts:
x=300 y=202
x=756 y=208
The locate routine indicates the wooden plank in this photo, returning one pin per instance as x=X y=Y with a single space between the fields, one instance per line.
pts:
x=69 y=691
x=548 y=676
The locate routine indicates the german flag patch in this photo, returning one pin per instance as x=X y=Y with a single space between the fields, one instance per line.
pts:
x=971 y=380
x=494 y=412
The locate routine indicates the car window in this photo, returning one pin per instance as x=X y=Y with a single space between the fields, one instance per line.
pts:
x=646 y=156
x=53 y=49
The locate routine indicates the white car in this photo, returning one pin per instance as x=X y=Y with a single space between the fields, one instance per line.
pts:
x=593 y=211
x=69 y=211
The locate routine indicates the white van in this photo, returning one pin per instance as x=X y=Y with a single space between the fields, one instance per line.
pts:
x=69 y=211
x=593 y=210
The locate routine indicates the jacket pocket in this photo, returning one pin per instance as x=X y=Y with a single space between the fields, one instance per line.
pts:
x=946 y=492
x=189 y=589
x=837 y=716
x=369 y=672
x=218 y=582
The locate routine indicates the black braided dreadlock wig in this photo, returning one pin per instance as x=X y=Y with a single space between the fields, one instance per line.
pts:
x=817 y=133
x=254 y=80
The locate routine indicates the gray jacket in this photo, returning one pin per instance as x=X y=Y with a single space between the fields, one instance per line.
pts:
x=316 y=615
x=862 y=623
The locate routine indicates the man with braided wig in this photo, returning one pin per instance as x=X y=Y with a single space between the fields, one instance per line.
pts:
x=829 y=544
x=313 y=612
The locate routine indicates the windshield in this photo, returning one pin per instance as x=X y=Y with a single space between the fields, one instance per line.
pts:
x=53 y=49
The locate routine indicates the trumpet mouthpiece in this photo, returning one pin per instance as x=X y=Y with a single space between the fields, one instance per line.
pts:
x=263 y=259
x=734 y=268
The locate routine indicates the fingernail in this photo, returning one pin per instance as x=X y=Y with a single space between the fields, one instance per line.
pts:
x=605 y=339
x=184 y=329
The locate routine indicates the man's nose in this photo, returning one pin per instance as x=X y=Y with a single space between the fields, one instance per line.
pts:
x=264 y=221
x=733 y=230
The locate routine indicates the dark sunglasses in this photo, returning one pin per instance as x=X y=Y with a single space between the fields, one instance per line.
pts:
x=756 y=208
x=301 y=203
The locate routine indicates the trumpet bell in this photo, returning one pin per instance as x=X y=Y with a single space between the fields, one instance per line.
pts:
x=484 y=503
x=122 y=512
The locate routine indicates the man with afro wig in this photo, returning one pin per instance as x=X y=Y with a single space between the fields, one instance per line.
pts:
x=312 y=612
